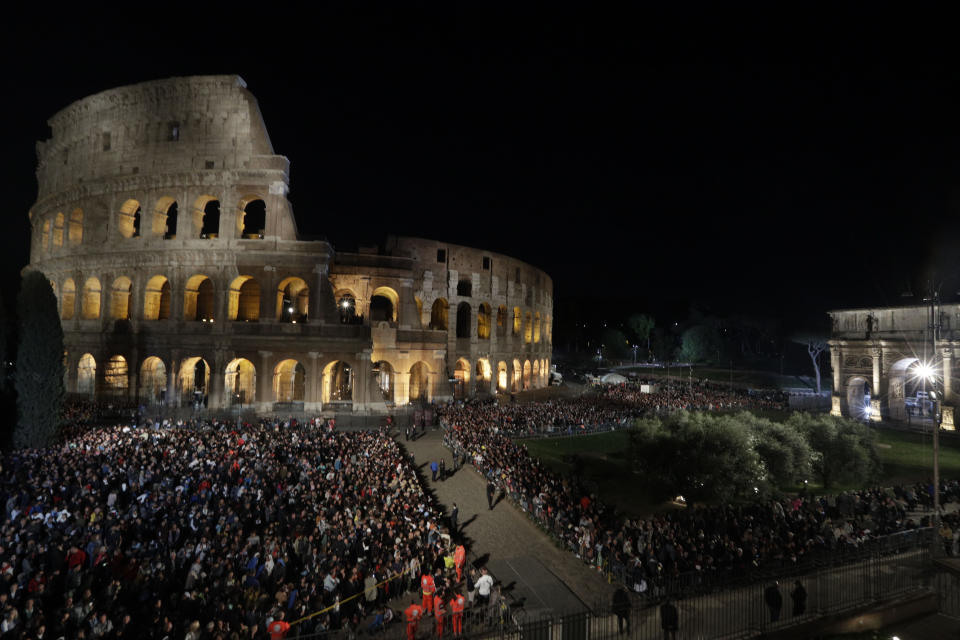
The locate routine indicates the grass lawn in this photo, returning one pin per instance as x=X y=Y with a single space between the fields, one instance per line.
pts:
x=600 y=460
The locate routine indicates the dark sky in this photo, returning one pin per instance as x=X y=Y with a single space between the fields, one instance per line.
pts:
x=647 y=163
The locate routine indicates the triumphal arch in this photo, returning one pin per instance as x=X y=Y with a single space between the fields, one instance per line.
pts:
x=163 y=224
x=890 y=363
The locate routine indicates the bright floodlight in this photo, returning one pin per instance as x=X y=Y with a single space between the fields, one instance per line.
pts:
x=925 y=371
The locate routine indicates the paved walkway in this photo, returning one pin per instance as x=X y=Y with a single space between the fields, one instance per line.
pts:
x=510 y=544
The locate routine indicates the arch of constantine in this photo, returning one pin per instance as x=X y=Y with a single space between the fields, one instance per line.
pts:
x=163 y=224
x=878 y=357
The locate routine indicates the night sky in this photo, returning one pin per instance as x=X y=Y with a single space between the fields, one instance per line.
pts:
x=647 y=164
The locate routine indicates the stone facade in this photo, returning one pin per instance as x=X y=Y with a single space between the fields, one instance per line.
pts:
x=163 y=225
x=876 y=353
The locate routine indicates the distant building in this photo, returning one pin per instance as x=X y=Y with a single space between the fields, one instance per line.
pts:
x=163 y=224
x=878 y=354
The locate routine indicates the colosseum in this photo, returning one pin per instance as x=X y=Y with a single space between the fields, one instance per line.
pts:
x=162 y=222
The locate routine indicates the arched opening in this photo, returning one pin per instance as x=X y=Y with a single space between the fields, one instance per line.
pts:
x=198 y=299
x=419 y=383
x=120 y=294
x=347 y=307
x=244 y=302
x=153 y=380
x=75 y=234
x=383 y=305
x=501 y=321
x=193 y=382
x=461 y=378
x=253 y=220
x=211 y=220
x=463 y=320
x=528 y=328
x=536 y=327
x=502 y=379
x=535 y=380
x=483 y=370
x=289 y=378
x=128 y=220
x=206 y=217
x=68 y=302
x=483 y=321
x=240 y=382
x=858 y=398
x=384 y=379
x=116 y=378
x=87 y=375
x=908 y=395
x=517 y=321
x=439 y=314
x=517 y=373
x=465 y=288
x=90 y=304
x=293 y=300
x=156 y=299
x=338 y=382
x=58 y=230
x=165 y=218
x=526 y=375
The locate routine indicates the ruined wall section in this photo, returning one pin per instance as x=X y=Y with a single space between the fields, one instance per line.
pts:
x=187 y=141
x=518 y=297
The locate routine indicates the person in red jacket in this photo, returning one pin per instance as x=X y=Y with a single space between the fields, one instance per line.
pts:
x=412 y=614
x=460 y=558
x=439 y=610
x=428 y=588
x=457 y=604
x=278 y=628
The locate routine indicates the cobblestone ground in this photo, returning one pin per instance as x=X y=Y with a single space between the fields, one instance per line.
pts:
x=506 y=531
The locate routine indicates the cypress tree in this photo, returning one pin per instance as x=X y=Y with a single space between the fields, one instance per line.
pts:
x=39 y=366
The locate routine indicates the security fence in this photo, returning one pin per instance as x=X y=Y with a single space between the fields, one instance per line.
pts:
x=732 y=607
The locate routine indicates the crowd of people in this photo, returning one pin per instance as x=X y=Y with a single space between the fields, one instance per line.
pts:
x=612 y=407
x=698 y=542
x=211 y=531
x=696 y=395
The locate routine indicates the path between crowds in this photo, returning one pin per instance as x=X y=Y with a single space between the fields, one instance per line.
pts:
x=506 y=532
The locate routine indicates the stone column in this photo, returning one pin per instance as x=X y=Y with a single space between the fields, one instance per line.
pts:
x=836 y=362
x=177 y=290
x=265 y=380
x=323 y=308
x=312 y=393
x=216 y=399
x=133 y=368
x=876 y=354
x=172 y=372
x=947 y=355
x=361 y=380
x=407 y=316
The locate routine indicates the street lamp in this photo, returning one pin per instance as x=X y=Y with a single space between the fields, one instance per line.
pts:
x=926 y=369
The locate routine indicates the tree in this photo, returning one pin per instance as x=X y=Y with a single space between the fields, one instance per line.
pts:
x=844 y=450
x=783 y=451
x=702 y=343
x=700 y=456
x=39 y=366
x=642 y=325
x=815 y=344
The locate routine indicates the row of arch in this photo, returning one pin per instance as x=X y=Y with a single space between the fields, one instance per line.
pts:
x=163 y=222
x=292 y=305
x=243 y=299
x=191 y=383
x=529 y=325
x=519 y=377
